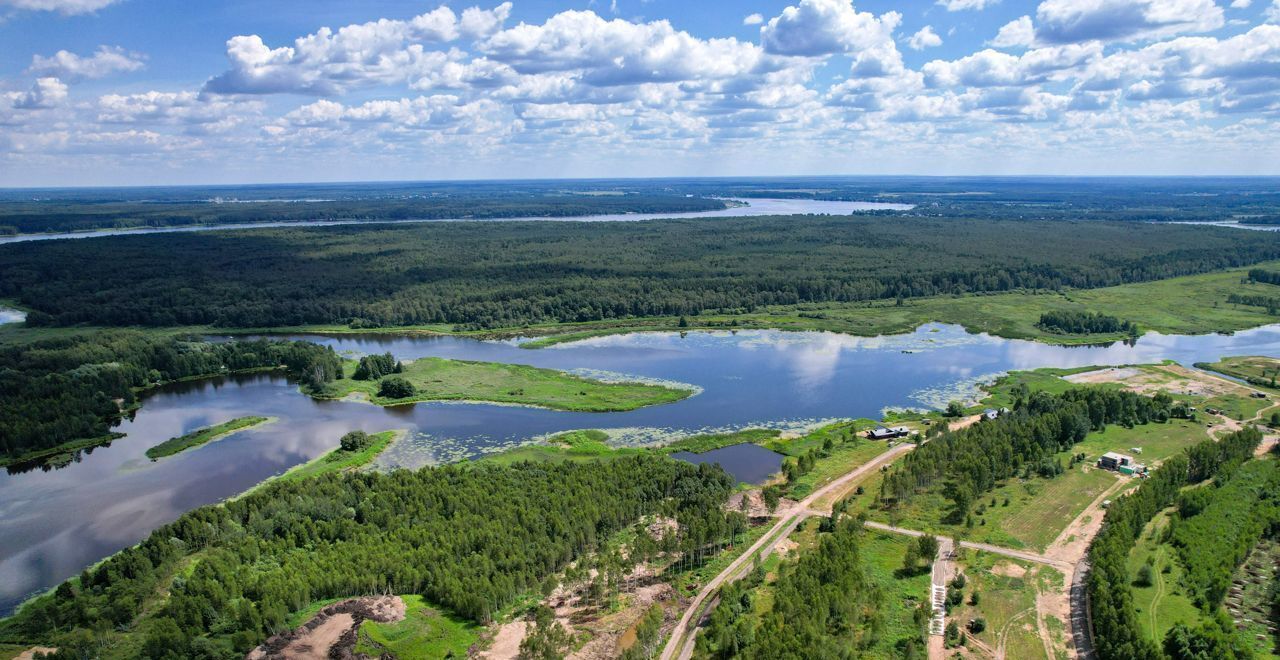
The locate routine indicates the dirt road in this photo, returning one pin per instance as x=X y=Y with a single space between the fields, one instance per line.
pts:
x=680 y=644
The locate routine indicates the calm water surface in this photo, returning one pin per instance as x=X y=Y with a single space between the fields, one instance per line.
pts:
x=746 y=462
x=749 y=207
x=53 y=524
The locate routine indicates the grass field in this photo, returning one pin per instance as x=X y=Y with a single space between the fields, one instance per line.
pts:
x=1165 y=602
x=201 y=436
x=843 y=459
x=1157 y=441
x=1007 y=590
x=425 y=632
x=439 y=379
x=881 y=558
x=1038 y=510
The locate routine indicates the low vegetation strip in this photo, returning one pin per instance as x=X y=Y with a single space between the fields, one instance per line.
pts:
x=201 y=436
x=356 y=450
x=441 y=379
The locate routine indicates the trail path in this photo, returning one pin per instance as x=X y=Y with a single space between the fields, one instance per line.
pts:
x=680 y=644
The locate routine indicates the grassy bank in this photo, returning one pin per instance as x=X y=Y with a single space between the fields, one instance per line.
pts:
x=1256 y=370
x=338 y=460
x=201 y=436
x=1194 y=304
x=440 y=379
x=61 y=455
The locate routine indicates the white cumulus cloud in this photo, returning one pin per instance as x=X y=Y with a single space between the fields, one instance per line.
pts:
x=328 y=62
x=924 y=38
x=1070 y=21
x=70 y=66
x=963 y=5
x=1019 y=32
x=825 y=27
x=64 y=7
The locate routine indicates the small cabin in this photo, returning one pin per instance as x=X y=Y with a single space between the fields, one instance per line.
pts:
x=1114 y=461
x=888 y=433
x=992 y=413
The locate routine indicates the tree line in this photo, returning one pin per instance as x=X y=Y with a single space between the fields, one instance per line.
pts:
x=1116 y=632
x=824 y=606
x=56 y=391
x=1264 y=276
x=491 y=275
x=970 y=461
x=1071 y=322
x=470 y=538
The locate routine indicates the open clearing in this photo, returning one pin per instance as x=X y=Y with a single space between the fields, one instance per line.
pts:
x=1009 y=593
x=1163 y=603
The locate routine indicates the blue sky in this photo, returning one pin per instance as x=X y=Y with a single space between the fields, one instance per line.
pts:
x=110 y=92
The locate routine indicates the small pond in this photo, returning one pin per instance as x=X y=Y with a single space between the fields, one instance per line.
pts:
x=747 y=463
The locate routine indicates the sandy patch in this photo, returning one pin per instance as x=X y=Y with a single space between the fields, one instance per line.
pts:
x=506 y=642
x=1109 y=375
x=30 y=653
x=1172 y=378
x=785 y=546
x=756 y=509
x=332 y=632
x=1009 y=569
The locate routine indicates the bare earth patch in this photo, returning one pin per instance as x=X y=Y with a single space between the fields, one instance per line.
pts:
x=30 y=653
x=1009 y=569
x=332 y=632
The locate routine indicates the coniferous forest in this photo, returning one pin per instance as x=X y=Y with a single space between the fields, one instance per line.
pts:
x=488 y=275
x=58 y=390
x=470 y=538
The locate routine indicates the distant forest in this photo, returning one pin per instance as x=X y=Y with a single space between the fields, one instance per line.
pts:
x=491 y=275
x=1137 y=199
x=49 y=216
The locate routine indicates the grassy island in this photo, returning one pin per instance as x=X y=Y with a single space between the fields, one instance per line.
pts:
x=201 y=436
x=439 y=379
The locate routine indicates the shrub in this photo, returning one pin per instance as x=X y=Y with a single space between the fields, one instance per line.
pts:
x=395 y=387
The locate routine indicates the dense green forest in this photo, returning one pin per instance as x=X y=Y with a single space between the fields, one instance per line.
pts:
x=969 y=462
x=823 y=607
x=470 y=538
x=508 y=274
x=59 y=390
x=1116 y=633
x=1083 y=323
x=62 y=216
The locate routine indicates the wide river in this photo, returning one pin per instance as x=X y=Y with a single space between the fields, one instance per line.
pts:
x=55 y=523
x=744 y=207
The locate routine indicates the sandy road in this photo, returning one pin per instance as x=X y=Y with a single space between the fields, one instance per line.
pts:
x=681 y=642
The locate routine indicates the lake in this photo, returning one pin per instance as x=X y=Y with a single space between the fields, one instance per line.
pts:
x=746 y=208
x=55 y=523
